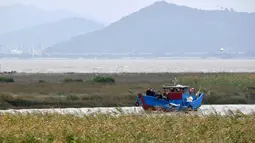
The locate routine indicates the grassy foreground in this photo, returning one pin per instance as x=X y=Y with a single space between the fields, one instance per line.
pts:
x=130 y=128
x=19 y=90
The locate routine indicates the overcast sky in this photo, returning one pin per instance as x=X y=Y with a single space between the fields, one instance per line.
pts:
x=112 y=10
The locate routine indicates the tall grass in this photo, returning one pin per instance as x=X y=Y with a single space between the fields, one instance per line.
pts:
x=129 y=128
x=66 y=80
x=102 y=79
x=6 y=80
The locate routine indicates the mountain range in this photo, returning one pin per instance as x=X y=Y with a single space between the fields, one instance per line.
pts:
x=164 y=27
x=25 y=27
x=19 y=16
x=45 y=35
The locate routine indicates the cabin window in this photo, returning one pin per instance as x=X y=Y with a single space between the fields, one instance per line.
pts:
x=186 y=91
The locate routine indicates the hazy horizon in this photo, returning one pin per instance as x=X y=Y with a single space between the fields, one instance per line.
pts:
x=31 y=27
x=113 y=10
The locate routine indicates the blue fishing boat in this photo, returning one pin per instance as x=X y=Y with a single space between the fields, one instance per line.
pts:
x=175 y=98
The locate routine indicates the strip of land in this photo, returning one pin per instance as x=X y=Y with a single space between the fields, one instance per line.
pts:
x=77 y=90
x=204 y=110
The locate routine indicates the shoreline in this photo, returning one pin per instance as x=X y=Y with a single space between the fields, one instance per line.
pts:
x=224 y=109
x=15 y=73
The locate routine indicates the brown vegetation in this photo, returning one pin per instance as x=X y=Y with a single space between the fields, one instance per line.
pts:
x=87 y=90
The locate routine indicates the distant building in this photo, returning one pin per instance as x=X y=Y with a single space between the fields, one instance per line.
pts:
x=36 y=52
x=16 y=52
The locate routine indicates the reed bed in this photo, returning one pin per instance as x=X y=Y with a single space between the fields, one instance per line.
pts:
x=53 y=127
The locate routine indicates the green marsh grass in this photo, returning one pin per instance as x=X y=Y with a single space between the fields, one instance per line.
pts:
x=6 y=80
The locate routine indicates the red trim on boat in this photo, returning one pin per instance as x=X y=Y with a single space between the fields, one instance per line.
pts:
x=146 y=106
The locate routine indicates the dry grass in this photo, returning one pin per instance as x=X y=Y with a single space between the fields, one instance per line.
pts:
x=51 y=90
x=129 y=128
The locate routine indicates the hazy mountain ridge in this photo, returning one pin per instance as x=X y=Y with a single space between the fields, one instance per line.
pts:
x=25 y=27
x=19 y=16
x=45 y=35
x=164 y=27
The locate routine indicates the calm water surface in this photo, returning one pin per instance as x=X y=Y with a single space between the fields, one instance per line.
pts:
x=125 y=65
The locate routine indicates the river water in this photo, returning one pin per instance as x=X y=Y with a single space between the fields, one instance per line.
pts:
x=126 y=65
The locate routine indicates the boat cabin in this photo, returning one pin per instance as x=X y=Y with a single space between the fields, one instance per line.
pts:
x=175 y=92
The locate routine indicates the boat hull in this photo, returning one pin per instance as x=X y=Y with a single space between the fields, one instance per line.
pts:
x=153 y=103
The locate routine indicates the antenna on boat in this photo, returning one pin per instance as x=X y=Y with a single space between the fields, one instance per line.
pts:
x=198 y=90
x=174 y=81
